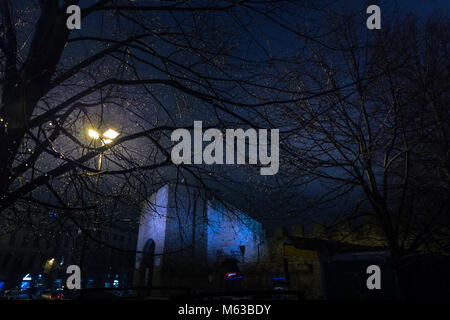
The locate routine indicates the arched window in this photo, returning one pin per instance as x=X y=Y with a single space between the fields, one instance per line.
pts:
x=149 y=246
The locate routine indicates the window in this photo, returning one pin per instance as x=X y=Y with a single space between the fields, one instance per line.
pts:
x=52 y=214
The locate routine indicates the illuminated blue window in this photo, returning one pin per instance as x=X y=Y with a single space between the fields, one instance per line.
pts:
x=58 y=283
x=25 y=285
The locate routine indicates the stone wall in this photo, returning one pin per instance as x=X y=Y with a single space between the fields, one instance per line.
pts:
x=186 y=225
x=152 y=226
x=197 y=235
x=233 y=235
x=302 y=273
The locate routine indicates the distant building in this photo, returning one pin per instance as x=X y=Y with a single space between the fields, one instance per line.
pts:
x=25 y=254
x=38 y=257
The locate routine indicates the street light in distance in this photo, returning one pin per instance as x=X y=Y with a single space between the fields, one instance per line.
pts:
x=107 y=137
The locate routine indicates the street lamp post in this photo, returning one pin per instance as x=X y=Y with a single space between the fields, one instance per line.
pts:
x=105 y=138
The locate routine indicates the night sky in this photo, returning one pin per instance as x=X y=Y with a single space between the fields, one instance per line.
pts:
x=276 y=199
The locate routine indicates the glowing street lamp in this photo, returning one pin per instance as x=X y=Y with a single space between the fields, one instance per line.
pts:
x=49 y=265
x=111 y=134
x=106 y=137
x=93 y=134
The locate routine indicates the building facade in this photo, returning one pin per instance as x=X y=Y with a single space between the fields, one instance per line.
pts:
x=186 y=240
x=37 y=256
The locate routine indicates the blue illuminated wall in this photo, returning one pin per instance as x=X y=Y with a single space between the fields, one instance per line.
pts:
x=153 y=224
x=233 y=234
x=193 y=232
x=186 y=232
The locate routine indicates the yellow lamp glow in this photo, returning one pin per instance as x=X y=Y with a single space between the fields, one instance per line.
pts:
x=93 y=134
x=110 y=134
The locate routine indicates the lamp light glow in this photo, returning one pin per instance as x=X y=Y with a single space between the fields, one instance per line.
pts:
x=111 y=135
x=93 y=134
